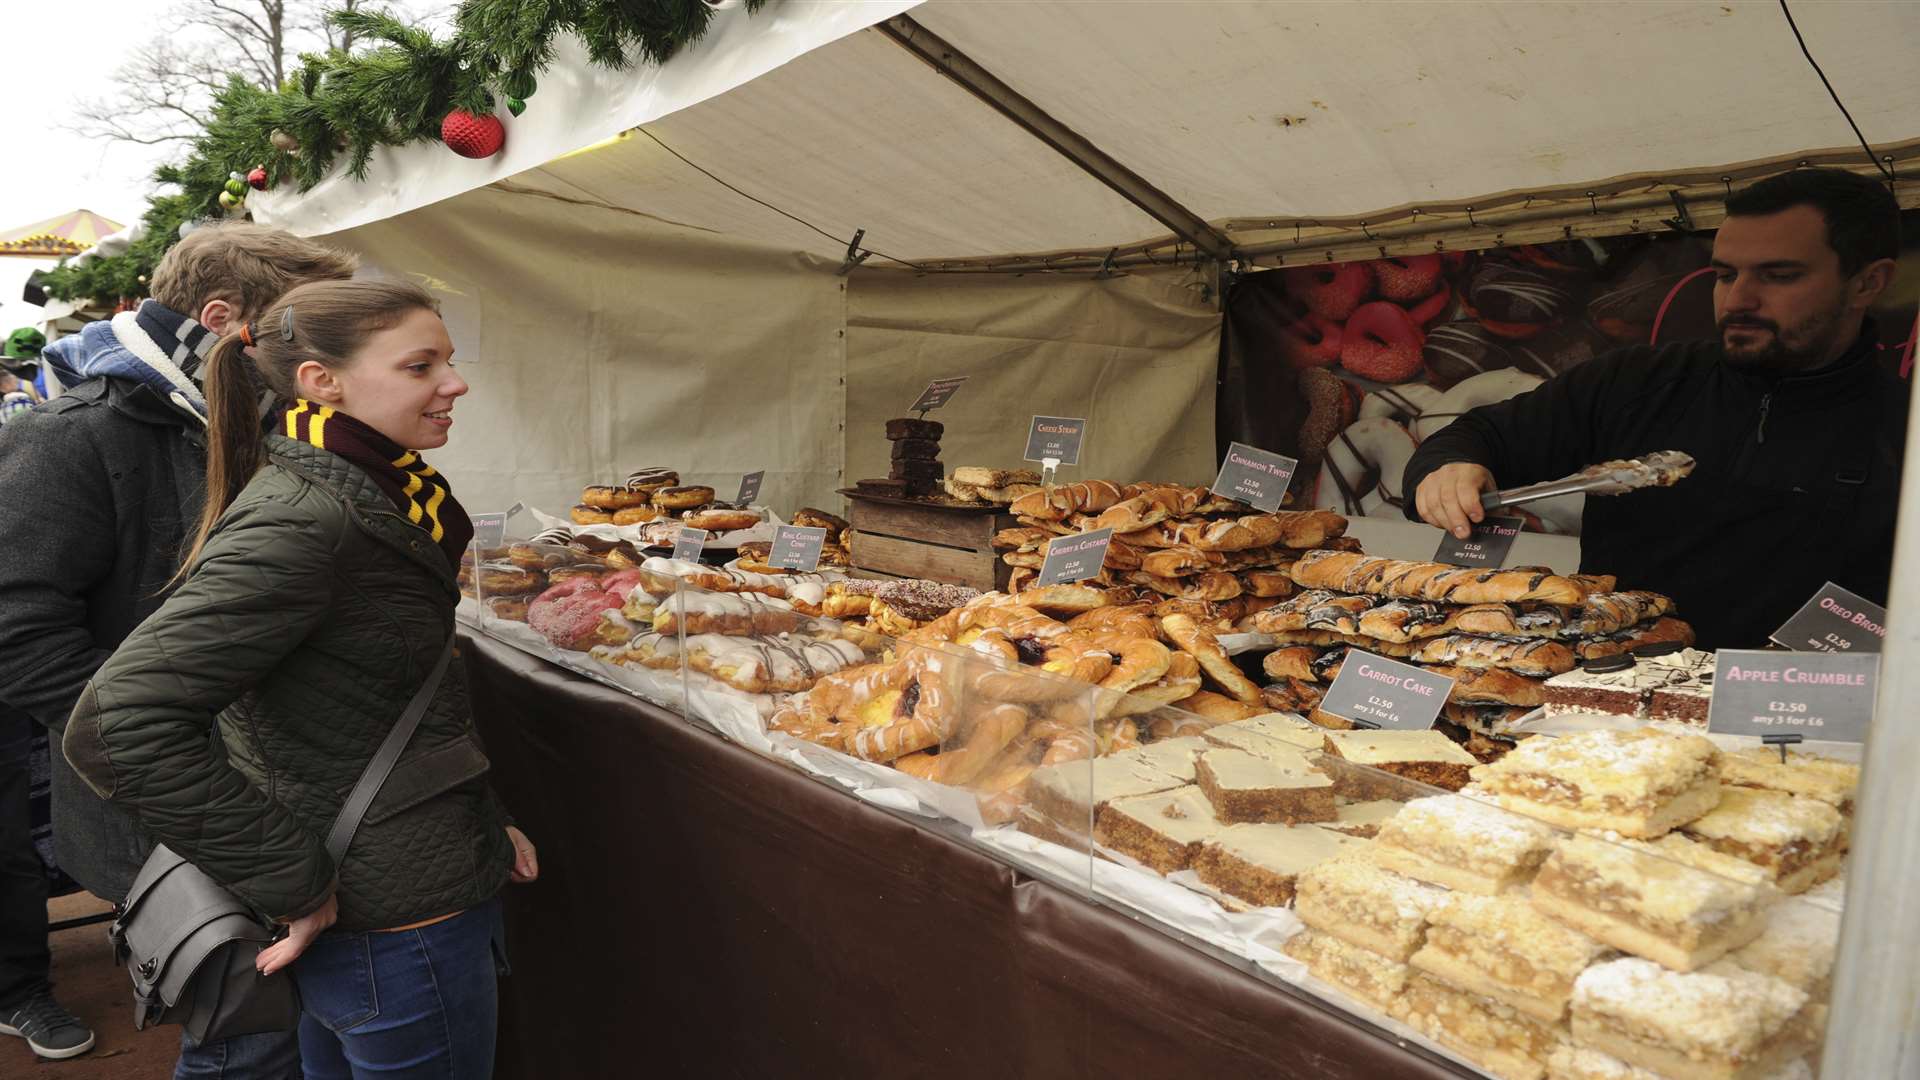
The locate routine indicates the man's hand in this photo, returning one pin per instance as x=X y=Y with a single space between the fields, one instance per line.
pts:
x=526 y=862
x=1450 y=496
x=301 y=933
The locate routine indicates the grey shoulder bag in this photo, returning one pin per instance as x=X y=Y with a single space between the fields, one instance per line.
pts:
x=190 y=945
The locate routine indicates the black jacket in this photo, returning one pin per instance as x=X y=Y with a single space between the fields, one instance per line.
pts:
x=1797 y=483
x=98 y=488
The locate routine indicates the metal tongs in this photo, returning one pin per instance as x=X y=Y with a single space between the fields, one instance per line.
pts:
x=1662 y=468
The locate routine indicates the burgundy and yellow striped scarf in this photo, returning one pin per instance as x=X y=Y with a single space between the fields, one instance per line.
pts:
x=418 y=491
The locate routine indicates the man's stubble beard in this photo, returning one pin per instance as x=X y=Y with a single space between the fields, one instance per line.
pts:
x=1809 y=345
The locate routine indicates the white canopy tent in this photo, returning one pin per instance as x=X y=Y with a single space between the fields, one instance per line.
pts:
x=654 y=270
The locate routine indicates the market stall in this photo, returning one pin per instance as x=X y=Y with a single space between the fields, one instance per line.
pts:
x=759 y=275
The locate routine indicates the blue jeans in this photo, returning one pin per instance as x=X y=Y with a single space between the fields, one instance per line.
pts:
x=402 y=1005
x=272 y=1055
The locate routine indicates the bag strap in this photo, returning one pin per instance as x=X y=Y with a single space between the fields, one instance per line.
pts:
x=384 y=760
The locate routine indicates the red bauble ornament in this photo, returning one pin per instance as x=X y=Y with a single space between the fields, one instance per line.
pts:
x=473 y=136
x=257 y=178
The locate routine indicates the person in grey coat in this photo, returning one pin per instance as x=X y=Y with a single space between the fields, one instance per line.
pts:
x=113 y=471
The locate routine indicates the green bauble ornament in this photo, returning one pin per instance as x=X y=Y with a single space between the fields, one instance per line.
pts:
x=228 y=200
x=237 y=188
x=516 y=106
x=519 y=84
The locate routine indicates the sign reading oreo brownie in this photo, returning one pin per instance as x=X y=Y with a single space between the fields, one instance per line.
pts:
x=1056 y=437
x=796 y=547
x=749 y=489
x=1255 y=476
x=688 y=543
x=1375 y=692
x=1835 y=620
x=937 y=393
x=1487 y=545
x=1074 y=558
x=1823 y=697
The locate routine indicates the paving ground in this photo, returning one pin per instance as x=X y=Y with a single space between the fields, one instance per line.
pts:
x=88 y=983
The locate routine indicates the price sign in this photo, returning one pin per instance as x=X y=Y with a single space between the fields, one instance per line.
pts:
x=490 y=530
x=1375 y=692
x=1074 y=558
x=937 y=393
x=1486 y=546
x=688 y=543
x=1777 y=696
x=1835 y=620
x=749 y=489
x=796 y=548
x=1056 y=437
x=1254 y=476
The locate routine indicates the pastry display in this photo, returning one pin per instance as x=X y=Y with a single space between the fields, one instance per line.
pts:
x=1696 y=1026
x=1641 y=783
x=1797 y=841
x=1676 y=686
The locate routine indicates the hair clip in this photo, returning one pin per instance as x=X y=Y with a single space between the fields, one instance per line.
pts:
x=246 y=334
x=286 y=325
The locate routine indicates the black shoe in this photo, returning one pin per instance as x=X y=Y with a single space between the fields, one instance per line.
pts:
x=51 y=1031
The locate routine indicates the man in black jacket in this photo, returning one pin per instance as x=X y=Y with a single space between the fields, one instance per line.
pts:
x=1798 y=429
x=102 y=484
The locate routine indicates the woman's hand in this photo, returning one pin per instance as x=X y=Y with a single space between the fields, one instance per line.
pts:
x=301 y=933
x=526 y=861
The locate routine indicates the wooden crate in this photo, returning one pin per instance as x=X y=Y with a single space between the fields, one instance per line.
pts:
x=927 y=541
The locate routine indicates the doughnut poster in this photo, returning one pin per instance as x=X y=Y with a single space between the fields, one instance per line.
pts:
x=1348 y=366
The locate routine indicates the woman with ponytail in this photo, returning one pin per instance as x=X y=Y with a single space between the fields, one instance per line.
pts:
x=316 y=598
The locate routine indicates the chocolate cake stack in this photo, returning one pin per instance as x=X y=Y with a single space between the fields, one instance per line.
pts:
x=916 y=470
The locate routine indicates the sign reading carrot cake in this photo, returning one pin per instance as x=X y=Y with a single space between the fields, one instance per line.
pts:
x=1822 y=696
x=1373 y=691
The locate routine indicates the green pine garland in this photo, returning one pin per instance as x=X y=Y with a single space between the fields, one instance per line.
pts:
x=391 y=95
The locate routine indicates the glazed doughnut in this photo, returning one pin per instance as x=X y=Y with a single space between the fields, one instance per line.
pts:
x=1331 y=290
x=611 y=498
x=533 y=555
x=635 y=515
x=510 y=608
x=1375 y=448
x=561 y=574
x=1329 y=408
x=720 y=521
x=559 y=534
x=623 y=556
x=506 y=579
x=649 y=480
x=568 y=615
x=811 y=518
x=1383 y=343
x=1514 y=301
x=591 y=515
x=1204 y=647
x=1407 y=278
x=682 y=498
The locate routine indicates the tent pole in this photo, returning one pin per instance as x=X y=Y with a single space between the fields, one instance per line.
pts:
x=1008 y=102
x=1875 y=1026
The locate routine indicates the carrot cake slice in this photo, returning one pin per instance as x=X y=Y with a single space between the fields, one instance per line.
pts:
x=1502 y=1040
x=1675 y=901
x=1361 y=818
x=1503 y=948
x=1354 y=899
x=1699 y=1026
x=1162 y=830
x=1462 y=843
x=1427 y=757
x=1171 y=756
x=1261 y=863
x=1071 y=791
x=1260 y=734
x=1798 y=842
x=1246 y=788
x=1366 y=975
x=1641 y=784
x=1807 y=775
